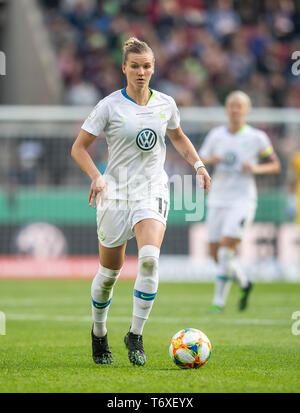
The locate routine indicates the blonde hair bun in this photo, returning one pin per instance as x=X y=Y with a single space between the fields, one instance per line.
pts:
x=134 y=45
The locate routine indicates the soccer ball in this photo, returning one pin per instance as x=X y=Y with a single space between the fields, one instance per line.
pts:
x=190 y=348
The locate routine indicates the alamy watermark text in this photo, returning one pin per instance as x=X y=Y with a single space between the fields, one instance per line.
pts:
x=296 y=64
x=2 y=324
x=2 y=64
x=296 y=324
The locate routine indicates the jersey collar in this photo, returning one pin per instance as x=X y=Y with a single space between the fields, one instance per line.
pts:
x=123 y=91
x=243 y=129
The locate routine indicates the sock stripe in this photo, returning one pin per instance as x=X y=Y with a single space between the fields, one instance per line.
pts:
x=144 y=296
x=101 y=305
x=224 y=278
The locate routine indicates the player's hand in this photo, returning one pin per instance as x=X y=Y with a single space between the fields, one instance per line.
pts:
x=248 y=167
x=97 y=191
x=214 y=160
x=203 y=178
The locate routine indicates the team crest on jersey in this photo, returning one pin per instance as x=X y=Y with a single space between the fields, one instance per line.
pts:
x=230 y=158
x=146 y=139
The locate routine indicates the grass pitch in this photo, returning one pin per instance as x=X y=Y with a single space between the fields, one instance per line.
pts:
x=47 y=343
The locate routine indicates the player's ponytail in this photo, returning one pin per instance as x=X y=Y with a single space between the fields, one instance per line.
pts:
x=134 y=45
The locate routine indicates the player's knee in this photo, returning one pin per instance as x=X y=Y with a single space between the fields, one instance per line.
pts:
x=149 y=265
x=104 y=279
x=107 y=282
x=148 y=274
x=148 y=260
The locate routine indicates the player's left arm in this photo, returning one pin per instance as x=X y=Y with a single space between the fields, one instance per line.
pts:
x=186 y=149
x=270 y=163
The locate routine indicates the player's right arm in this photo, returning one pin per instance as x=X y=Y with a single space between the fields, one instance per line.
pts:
x=207 y=150
x=81 y=156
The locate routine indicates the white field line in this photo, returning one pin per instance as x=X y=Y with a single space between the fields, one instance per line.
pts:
x=35 y=301
x=162 y=320
x=30 y=302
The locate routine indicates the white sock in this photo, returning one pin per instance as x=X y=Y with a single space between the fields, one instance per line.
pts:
x=145 y=287
x=239 y=273
x=224 y=279
x=102 y=291
x=222 y=288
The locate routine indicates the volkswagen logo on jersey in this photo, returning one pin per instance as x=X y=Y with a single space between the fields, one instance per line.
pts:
x=230 y=158
x=146 y=139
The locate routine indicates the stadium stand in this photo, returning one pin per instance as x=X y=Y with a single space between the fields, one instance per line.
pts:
x=212 y=46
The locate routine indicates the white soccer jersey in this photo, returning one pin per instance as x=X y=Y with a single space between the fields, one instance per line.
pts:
x=135 y=137
x=231 y=186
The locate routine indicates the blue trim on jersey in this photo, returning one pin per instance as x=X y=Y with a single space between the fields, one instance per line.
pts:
x=126 y=96
x=123 y=91
x=101 y=305
x=144 y=296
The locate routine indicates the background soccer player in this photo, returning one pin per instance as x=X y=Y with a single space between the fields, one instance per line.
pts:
x=235 y=150
x=133 y=191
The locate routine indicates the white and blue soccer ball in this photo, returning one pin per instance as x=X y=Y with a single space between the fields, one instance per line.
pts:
x=190 y=348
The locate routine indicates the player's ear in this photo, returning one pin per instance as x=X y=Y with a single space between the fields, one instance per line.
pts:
x=123 y=68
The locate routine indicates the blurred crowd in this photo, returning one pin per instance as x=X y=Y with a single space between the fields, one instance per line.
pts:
x=203 y=48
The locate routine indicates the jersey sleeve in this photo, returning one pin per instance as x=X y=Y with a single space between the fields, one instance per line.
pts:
x=265 y=147
x=174 y=120
x=97 y=119
x=206 y=149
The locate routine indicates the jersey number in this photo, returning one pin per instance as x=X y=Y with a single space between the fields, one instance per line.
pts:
x=160 y=206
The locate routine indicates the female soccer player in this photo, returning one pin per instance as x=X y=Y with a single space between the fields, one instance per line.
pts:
x=132 y=196
x=234 y=150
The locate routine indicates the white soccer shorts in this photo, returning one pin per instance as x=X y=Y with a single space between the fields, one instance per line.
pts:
x=117 y=218
x=229 y=221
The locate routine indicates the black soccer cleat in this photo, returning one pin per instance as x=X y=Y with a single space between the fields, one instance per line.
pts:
x=100 y=350
x=245 y=296
x=136 y=353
